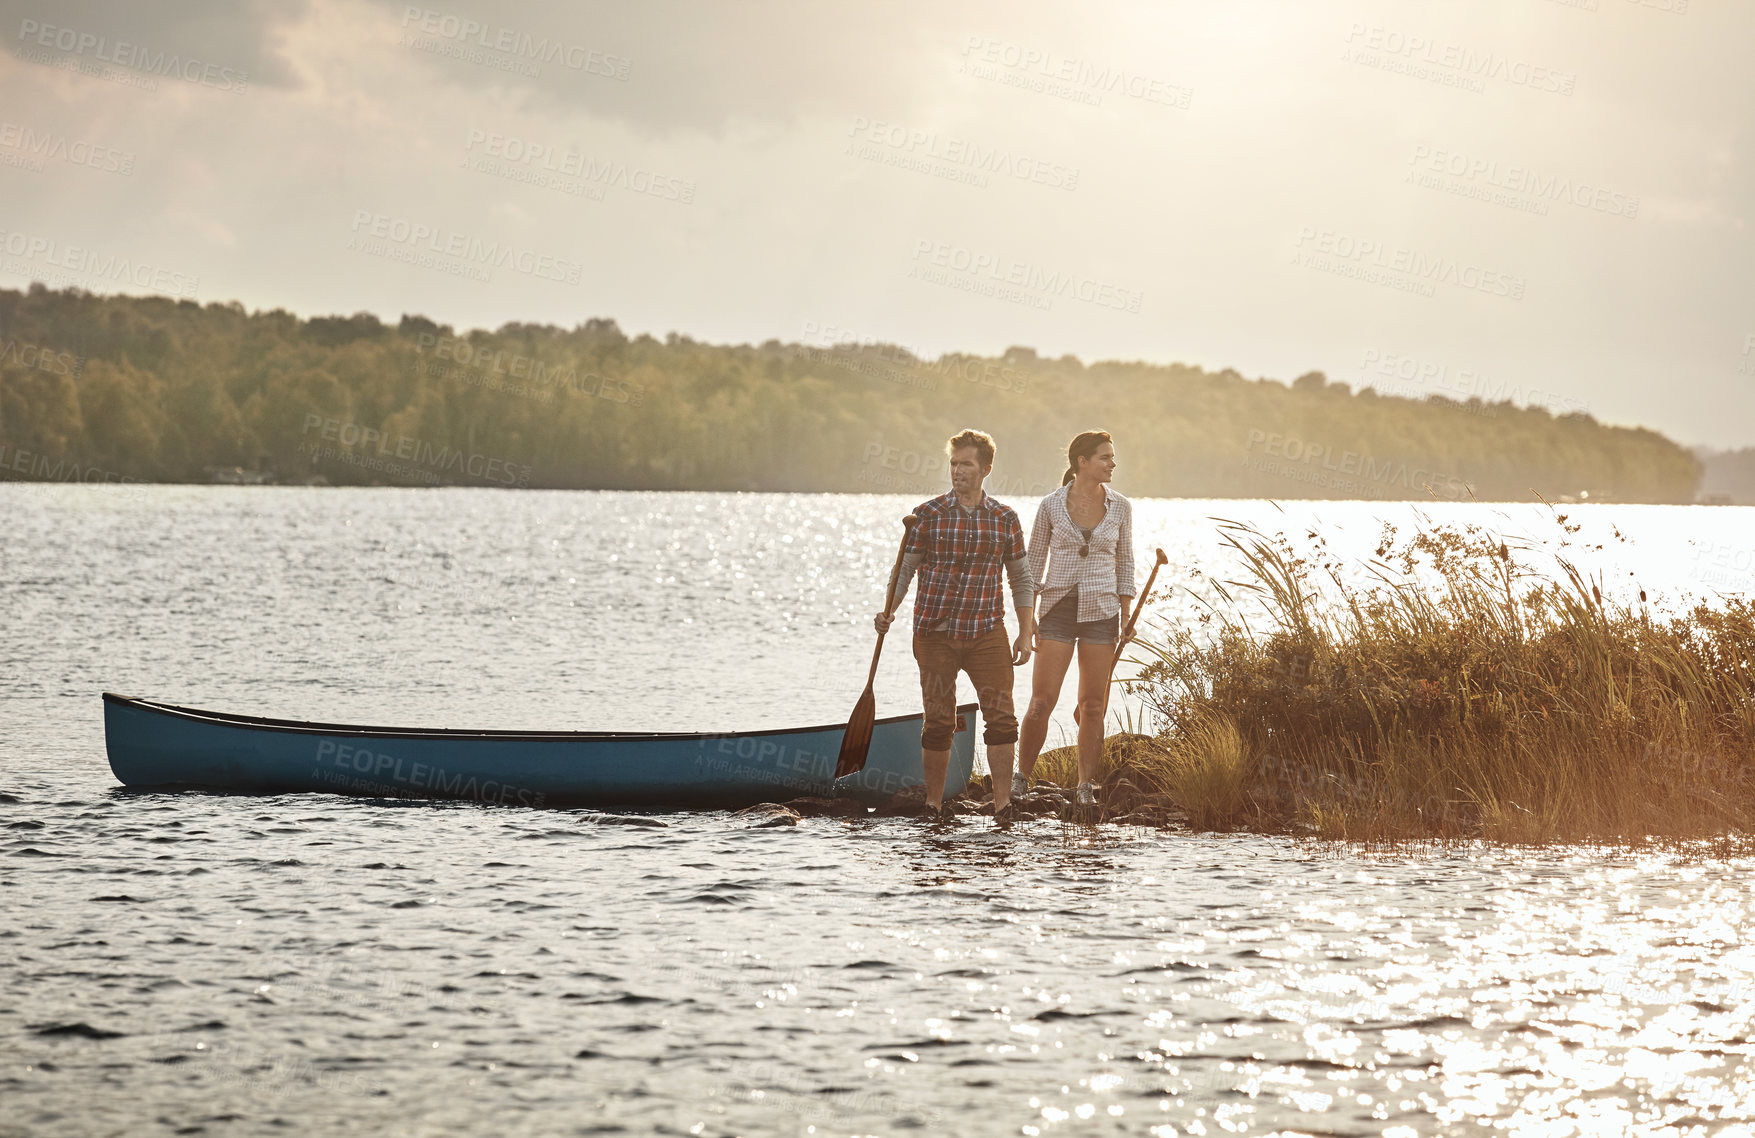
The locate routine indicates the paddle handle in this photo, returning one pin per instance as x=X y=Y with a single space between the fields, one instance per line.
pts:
x=908 y=524
x=1127 y=629
x=1140 y=602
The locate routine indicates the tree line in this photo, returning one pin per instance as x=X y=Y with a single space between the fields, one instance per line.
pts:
x=96 y=388
x=1728 y=476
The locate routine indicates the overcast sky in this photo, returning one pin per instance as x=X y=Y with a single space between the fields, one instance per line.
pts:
x=1542 y=199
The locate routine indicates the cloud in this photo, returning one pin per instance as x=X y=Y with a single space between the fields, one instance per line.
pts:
x=792 y=216
x=689 y=66
x=237 y=34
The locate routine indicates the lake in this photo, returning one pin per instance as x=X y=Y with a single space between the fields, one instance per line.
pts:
x=228 y=965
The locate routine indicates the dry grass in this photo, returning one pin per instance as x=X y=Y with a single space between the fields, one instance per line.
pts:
x=1121 y=755
x=1467 y=693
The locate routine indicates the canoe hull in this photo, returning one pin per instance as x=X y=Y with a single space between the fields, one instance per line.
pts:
x=161 y=746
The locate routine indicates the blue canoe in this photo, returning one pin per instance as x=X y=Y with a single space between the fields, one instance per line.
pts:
x=158 y=745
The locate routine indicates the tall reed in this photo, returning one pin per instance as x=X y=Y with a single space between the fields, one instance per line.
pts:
x=1467 y=691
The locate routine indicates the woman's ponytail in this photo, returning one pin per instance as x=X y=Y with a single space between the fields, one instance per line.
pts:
x=1084 y=445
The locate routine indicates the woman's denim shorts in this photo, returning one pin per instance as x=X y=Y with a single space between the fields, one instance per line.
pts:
x=1062 y=623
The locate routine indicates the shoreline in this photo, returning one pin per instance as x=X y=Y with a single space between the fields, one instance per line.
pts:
x=917 y=494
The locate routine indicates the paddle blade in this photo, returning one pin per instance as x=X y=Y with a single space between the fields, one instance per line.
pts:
x=856 y=740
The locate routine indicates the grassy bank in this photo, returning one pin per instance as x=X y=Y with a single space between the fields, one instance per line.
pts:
x=1472 y=689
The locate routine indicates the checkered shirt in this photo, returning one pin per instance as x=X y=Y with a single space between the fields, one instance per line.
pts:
x=964 y=555
x=1102 y=577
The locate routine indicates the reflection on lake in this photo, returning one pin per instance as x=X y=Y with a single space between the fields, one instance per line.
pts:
x=326 y=964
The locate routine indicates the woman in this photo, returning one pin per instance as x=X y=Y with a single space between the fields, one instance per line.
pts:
x=1081 y=557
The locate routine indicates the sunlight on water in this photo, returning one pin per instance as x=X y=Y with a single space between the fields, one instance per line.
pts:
x=339 y=964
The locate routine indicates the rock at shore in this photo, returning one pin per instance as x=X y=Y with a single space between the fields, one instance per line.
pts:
x=827 y=807
x=763 y=815
x=908 y=801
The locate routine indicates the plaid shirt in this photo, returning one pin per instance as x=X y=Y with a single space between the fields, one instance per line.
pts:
x=960 y=577
x=1103 y=577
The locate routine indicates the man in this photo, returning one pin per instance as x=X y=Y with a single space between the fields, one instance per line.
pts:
x=959 y=545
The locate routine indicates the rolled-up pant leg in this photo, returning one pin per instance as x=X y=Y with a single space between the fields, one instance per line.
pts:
x=989 y=664
x=988 y=661
x=939 y=662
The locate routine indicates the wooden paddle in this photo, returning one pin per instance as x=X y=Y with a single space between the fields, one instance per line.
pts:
x=1126 y=631
x=856 y=740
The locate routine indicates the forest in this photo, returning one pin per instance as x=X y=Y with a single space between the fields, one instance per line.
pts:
x=124 y=388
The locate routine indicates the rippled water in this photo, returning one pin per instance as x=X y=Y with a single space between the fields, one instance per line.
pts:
x=327 y=965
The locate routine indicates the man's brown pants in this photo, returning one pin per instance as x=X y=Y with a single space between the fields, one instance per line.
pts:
x=987 y=660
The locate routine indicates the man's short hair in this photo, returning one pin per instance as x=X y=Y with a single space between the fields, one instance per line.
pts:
x=982 y=443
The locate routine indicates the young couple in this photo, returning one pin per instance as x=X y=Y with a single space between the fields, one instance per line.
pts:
x=1078 y=568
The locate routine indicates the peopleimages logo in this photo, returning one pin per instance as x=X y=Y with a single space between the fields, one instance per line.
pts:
x=75 y=151
x=513 y=42
x=74 y=264
x=1463 y=383
x=41 y=358
x=472 y=250
x=1465 y=62
x=872 y=138
x=1035 y=281
x=518 y=153
x=133 y=56
x=383 y=772
x=1411 y=265
x=34 y=464
x=845 y=348
x=1725 y=565
x=1080 y=75
x=441 y=458
x=1520 y=180
x=490 y=362
x=1349 y=471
